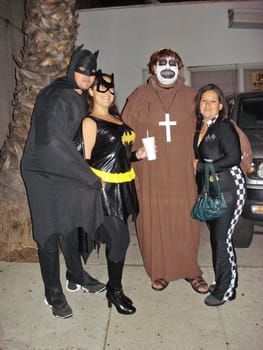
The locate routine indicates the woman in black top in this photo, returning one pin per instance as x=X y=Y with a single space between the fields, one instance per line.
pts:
x=216 y=140
x=106 y=145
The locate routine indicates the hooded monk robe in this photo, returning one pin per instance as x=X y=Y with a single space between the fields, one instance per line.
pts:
x=168 y=237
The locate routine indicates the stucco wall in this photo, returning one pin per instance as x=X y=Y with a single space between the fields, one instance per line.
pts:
x=198 y=32
x=127 y=36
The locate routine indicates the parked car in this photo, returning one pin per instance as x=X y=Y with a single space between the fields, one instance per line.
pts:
x=247 y=110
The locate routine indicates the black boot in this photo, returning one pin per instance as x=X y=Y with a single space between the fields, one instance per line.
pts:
x=118 y=278
x=115 y=293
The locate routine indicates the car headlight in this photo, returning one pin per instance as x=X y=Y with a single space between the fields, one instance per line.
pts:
x=256 y=169
x=251 y=171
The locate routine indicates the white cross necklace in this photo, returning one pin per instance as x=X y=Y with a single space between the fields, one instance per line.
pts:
x=167 y=123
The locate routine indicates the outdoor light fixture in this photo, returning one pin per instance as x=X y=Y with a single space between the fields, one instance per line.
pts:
x=245 y=18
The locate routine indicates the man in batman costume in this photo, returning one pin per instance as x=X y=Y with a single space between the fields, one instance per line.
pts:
x=63 y=193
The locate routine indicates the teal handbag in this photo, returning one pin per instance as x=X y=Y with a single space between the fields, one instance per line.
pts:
x=206 y=207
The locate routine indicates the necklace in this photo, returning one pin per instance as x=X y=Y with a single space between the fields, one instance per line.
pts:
x=167 y=123
x=166 y=110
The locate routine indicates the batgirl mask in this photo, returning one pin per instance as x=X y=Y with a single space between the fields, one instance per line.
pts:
x=103 y=85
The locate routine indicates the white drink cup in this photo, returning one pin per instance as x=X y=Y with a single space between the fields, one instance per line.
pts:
x=149 y=145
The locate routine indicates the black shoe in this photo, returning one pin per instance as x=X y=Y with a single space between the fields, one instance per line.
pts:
x=212 y=288
x=89 y=284
x=62 y=312
x=122 y=303
x=211 y=300
x=127 y=299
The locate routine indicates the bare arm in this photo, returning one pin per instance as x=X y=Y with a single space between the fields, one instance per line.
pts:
x=89 y=129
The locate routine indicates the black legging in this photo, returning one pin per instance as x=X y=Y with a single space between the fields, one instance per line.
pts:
x=115 y=234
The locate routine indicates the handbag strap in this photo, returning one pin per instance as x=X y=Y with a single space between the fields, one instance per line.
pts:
x=209 y=169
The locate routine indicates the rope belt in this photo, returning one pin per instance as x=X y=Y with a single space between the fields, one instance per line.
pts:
x=115 y=177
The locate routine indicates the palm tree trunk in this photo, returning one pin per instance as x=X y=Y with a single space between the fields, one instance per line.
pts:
x=50 y=33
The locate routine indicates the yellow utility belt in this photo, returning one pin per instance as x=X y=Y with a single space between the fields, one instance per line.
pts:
x=115 y=177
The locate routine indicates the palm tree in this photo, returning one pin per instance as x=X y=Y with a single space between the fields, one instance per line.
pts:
x=50 y=29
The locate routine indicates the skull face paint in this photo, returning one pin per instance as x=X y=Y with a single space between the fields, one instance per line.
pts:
x=167 y=70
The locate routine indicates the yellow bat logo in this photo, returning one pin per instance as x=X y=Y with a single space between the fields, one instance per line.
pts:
x=128 y=137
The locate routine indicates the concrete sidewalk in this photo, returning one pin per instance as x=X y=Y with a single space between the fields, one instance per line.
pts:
x=174 y=319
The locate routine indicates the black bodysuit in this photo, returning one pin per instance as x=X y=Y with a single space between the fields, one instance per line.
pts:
x=221 y=145
x=111 y=161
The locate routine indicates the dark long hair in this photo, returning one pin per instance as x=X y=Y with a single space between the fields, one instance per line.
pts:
x=222 y=115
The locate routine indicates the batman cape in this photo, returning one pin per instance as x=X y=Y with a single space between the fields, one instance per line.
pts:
x=63 y=192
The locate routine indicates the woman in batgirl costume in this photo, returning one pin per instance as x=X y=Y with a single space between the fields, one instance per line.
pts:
x=106 y=143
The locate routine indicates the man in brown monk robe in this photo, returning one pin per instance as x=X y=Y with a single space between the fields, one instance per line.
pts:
x=168 y=237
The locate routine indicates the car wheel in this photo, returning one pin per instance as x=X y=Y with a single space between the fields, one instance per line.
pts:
x=243 y=233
